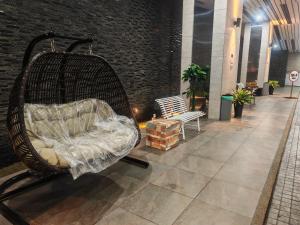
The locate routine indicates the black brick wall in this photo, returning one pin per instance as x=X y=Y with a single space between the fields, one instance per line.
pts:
x=140 y=38
x=203 y=31
x=278 y=66
x=238 y=80
x=254 y=53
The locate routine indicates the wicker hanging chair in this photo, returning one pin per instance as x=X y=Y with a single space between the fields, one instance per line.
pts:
x=59 y=78
x=56 y=78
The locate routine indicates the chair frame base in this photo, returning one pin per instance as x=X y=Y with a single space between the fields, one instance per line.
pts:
x=13 y=216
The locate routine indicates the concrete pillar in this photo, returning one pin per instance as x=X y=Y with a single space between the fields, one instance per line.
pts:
x=244 y=68
x=187 y=39
x=225 y=52
x=265 y=54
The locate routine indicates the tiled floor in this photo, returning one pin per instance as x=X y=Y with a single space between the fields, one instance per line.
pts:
x=214 y=178
x=285 y=204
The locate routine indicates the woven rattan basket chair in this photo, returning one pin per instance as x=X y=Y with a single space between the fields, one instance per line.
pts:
x=58 y=78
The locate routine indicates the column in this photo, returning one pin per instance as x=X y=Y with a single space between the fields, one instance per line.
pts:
x=187 y=40
x=225 y=51
x=244 y=68
x=265 y=54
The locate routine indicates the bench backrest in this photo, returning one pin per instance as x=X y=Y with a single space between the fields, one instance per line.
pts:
x=171 y=106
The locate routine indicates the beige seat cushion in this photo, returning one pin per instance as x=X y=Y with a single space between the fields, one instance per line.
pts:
x=72 y=121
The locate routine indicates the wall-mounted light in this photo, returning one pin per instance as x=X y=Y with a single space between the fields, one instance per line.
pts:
x=135 y=110
x=237 y=22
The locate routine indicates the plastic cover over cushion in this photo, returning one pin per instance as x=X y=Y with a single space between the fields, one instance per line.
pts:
x=85 y=136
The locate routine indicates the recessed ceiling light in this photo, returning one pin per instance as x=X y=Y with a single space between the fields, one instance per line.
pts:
x=259 y=18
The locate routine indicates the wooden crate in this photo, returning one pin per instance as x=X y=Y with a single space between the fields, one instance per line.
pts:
x=162 y=134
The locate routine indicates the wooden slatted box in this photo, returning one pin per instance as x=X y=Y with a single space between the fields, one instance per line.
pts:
x=162 y=134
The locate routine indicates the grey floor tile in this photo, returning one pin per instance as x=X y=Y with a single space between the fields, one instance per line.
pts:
x=144 y=174
x=169 y=158
x=219 y=149
x=157 y=204
x=73 y=210
x=231 y=197
x=115 y=167
x=201 y=213
x=238 y=135
x=197 y=142
x=207 y=131
x=120 y=216
x=249 y=177
x=121 y=189
x=252 y=154
x=200 y=165
x=263 y=140
x=183 y=182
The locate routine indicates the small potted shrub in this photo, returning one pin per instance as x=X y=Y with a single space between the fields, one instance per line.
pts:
x=241 y=97
x=272 y=85
x=197 y=77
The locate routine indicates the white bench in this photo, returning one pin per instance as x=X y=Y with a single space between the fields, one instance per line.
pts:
x=174 y=108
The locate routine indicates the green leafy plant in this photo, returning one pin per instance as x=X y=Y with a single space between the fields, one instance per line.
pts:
x=274 y=83
x=197 y=77
x=242 y=96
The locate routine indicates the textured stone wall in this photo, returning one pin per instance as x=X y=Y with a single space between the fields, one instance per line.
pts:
x=254 y=56
x=141 y=39
x=293 y=62
x=244 y=52
x=240 y=63
x=225 y=52
x=278 y=66
x=202 y=37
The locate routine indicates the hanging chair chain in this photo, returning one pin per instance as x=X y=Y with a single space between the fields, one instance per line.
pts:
x=52 y=44
x=90 y=49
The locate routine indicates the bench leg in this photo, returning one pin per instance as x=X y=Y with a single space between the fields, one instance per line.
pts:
x=198 y=123
x=183 y=132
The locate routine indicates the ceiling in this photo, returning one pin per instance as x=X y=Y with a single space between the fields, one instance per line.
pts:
x=284 y=15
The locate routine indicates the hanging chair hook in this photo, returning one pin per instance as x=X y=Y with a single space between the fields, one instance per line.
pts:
x=52 y=44
x=91 y=49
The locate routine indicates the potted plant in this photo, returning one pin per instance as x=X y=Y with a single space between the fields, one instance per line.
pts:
x=197 y=77
x=202 y=96
x=272 y=85
x=241 y=97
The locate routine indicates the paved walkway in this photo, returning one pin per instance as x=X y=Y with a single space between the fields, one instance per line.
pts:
x=216 y=177
x=285 y=204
